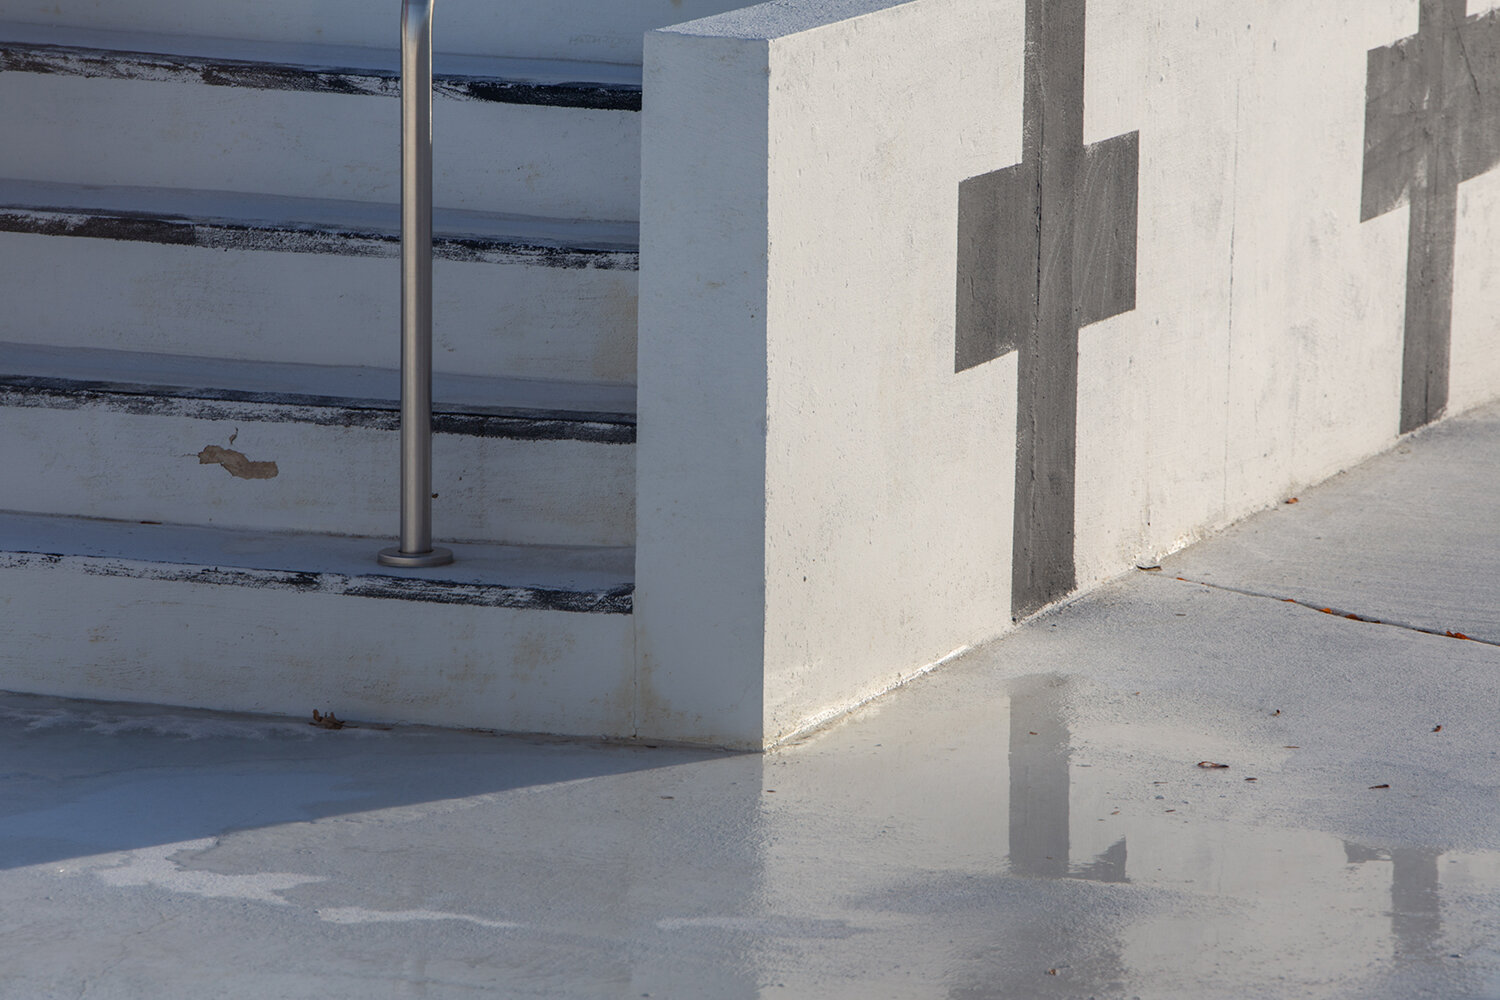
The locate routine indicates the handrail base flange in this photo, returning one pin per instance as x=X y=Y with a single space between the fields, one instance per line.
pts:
x=415 y=560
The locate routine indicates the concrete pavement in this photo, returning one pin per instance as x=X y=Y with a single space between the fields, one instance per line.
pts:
x=1033 y=820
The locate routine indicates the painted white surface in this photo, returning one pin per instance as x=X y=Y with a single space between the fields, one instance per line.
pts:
x=521 y=575
x=95 y=461
x=75 y=634
x=489 y=319
x=700 y=472
x=1265 y=349
x=811 y=345
x=1264 y=352
x=559 y=162
x=895 y=558
x=347 y=385
x=603 y=30
x=1474 y=366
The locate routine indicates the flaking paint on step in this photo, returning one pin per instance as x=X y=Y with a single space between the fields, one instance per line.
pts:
x=236 y=464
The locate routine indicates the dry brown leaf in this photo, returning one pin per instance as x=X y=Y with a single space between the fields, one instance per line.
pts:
x=1209 y=765
x=1373 y=787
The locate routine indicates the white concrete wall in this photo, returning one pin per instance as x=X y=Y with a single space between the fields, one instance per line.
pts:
x=700 y=552
x=1265 y=349
x=825 y=507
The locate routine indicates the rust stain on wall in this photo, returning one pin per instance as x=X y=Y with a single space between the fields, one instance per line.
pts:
x=236 y=464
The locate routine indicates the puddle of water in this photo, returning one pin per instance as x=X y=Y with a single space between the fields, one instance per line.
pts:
x=1001 y=839
x=1045 y=866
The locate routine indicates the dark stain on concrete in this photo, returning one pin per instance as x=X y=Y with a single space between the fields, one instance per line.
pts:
x=1432 y=121
x=1045 y=247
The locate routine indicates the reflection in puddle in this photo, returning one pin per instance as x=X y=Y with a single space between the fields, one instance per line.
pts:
x=980 y=838
x=1046 y=838
x=1041 y=787
x=1305 y=904
x=1416 y=901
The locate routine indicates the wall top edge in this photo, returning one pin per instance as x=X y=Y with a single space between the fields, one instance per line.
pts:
x=780 y=18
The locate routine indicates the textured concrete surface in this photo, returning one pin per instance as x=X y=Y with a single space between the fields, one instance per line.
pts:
x=1030 y=821
x=1411 y=537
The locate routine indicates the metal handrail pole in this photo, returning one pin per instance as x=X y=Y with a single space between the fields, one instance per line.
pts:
x=416 y=548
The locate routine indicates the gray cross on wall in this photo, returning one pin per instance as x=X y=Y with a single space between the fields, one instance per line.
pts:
x=1432 y=121
x=1045 y=247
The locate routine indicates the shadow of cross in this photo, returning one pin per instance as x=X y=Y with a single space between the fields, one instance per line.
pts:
x=1045 y=247
x=1432 y=121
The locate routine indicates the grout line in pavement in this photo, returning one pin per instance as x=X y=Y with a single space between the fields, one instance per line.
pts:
x=1337 y=612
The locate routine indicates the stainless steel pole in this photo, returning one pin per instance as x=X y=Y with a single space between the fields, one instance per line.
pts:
x=416 y=293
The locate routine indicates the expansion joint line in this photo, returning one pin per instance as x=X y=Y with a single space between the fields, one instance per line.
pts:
x=1336 y=612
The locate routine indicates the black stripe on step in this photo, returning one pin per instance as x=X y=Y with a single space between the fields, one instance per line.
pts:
x=221 y=234
x=615 y=600
x=326 y=411
x=68 y=60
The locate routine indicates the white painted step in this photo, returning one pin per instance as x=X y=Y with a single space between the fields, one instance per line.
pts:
x=251 y=277
x=282 y=447
x=595 y=30
x=535 y=144
x=515 y=638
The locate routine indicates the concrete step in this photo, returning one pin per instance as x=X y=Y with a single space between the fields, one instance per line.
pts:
x=259 y=277
x=286 y=447
x=595 y=30
x=557 y=141
x=518 y=638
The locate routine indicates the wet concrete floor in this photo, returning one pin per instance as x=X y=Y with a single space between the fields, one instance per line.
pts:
x=1031 y=821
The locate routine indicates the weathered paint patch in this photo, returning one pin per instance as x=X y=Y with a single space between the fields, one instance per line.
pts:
x=1432 y=121
x=110 y=64
x=236 y=464
x=1045 y=247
